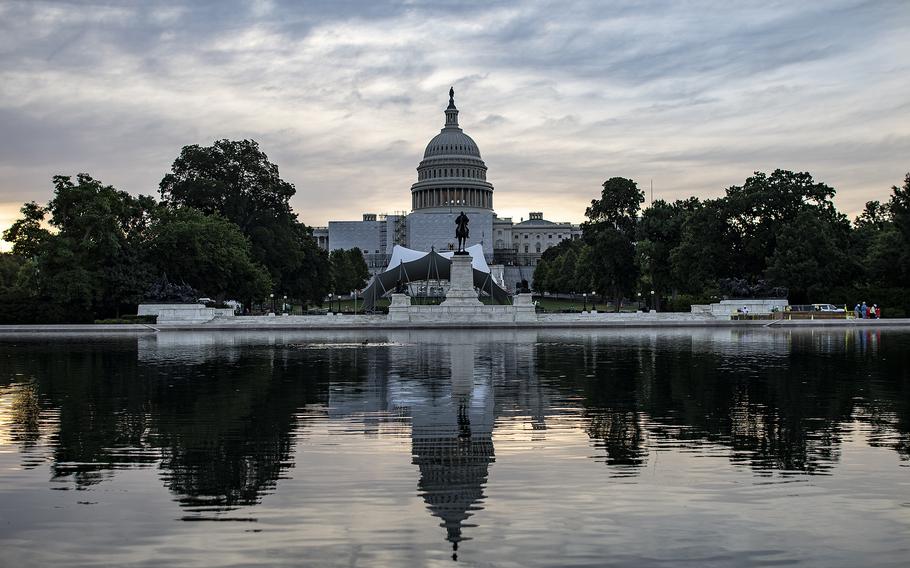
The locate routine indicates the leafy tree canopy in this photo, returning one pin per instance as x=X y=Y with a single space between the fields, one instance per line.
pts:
x=207 y=252
x=236 y=180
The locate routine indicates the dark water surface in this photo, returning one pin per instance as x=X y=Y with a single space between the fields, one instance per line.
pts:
x=638 y=448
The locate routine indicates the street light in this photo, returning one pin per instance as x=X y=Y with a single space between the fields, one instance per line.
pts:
x=639 y=301
x=593 y=307
x=272 y=301
x=585 y=296
x=653 y=307
x=284 y=304
x=330 y=301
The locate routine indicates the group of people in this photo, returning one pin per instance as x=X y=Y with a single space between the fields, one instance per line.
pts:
x=867 y=312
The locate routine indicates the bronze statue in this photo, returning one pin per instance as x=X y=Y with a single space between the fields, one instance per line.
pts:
x=461 y=232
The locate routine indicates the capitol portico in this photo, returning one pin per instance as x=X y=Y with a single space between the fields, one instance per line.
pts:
x=451 y=178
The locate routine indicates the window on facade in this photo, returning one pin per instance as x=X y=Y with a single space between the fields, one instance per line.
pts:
x=526 y=248
x=549 y=236
x=538 y=247
x=499 y=232
x=538 y=237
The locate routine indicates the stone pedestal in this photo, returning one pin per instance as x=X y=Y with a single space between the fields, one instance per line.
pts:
x=399 y=308
x=461 y=284
x=524 y=308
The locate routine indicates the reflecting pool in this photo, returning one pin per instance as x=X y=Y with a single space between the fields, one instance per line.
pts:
x=492 y=448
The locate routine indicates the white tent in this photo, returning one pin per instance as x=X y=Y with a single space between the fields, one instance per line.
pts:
x=401 y=255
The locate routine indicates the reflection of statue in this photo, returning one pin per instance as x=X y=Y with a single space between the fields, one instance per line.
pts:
x=461 y=232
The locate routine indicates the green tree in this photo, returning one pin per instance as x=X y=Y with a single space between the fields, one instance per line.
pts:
x=542 y=275
x=584 y=275
x=565 y=278
x=27 y=234
x=10 y=266
x=360 y=272
x=659 y=231
x=341 y=271
x=899 y=207
x=811 y=257
x=758 y=211
x=89 y=260
x=706 y=248
x=610 y=232
x=349 y=270
x=207 y=252
x=236 y=180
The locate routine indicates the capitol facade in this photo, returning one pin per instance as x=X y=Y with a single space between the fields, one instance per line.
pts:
x=451 y=178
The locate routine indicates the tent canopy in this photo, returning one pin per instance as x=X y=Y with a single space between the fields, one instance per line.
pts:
x=428 y=266
x=401 y=254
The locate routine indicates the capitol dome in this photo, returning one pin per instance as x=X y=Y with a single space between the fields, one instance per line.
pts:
x=451 y=141
x=452 y=173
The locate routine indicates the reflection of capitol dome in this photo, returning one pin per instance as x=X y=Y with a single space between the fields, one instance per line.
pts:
x=453 y=472
x=452 y=173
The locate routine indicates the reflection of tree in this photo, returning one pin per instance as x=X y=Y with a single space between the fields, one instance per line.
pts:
x=610 y=396
x=226 y=433
x=24 y=411
x=777 y=407
x=223 y=433
x=620 y=436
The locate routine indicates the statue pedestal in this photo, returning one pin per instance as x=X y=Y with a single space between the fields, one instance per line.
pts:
x=400 y=307
x=461 y=284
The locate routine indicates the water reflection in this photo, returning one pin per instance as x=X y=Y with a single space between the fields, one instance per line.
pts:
x=220 y=415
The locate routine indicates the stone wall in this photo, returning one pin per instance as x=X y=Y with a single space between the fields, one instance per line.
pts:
x=365 y=235
x=183 y=313
x=730 y=307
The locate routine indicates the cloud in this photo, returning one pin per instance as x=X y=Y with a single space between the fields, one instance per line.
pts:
x=344 y=95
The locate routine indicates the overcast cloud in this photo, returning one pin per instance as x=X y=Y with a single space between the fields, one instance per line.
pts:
x=344 y=95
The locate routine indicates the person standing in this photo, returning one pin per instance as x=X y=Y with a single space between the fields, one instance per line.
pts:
x=856 y=312
x=864 y=310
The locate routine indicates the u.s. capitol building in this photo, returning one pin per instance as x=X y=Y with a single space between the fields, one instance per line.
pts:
x=451 y=178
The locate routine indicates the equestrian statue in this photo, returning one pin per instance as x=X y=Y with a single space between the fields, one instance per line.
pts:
x=461 y=232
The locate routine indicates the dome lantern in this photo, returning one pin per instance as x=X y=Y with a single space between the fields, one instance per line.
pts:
x=451 y=111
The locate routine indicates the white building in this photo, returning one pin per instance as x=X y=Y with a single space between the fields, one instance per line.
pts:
x=451 y=178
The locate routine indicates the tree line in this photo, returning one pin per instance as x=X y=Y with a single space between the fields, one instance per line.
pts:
x=222 y=227
x=777 y=232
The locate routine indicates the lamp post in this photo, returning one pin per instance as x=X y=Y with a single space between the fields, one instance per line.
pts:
x=593 y=307
x=330 y=301
x=272 y=302
x=652 y=301
x=585 y=296
x=284 y=305
x=639 y=301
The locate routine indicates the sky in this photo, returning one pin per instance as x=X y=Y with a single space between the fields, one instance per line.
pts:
x=344 y=95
